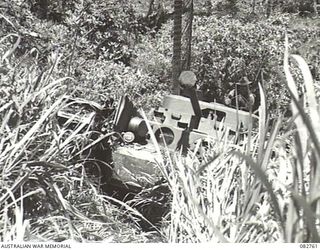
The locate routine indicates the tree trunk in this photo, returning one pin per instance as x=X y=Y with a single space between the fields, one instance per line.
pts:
x=253 y=6
x=176 y=58
x=269 y=7
x=315 y=7
x=187 y=36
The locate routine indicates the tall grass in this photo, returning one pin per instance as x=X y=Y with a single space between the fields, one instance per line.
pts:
x=45 y=191
x=219 y=199
x=305 y=207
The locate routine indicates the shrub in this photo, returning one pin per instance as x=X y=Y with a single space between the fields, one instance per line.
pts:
x=157 y=49
x=226 y=50
x=295 y=6
x=100 y=80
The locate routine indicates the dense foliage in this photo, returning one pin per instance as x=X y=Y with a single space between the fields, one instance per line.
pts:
x=99 y=41
x=226 y=50
x=94 y=41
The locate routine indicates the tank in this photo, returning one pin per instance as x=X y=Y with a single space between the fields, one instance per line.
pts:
x=179 y=124
x=129 y=162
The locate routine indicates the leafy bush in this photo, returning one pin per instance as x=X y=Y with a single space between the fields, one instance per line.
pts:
x=230 y=6
x=156 y=48
x=95 y=42
x=101 y=80
x=227 y=50
x=295 y=6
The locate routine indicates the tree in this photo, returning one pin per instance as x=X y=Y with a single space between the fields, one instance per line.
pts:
x=253 y=4
x=187 y=36
x=270 y=4
x=182 y=36
x=177 y=33
x=315 y=7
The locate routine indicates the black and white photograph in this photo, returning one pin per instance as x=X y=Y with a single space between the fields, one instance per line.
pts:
x=159 y=121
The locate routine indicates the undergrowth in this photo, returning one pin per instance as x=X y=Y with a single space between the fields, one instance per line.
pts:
x=44 y=195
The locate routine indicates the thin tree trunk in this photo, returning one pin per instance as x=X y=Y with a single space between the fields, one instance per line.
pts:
x=177 y=33
x=253 y=6
x=269 y=7
x=315 y=7
x=187 y=36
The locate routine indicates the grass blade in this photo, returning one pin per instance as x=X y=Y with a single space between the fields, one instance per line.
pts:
x=262 y=120
x=264 y=180
x=309 y=215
